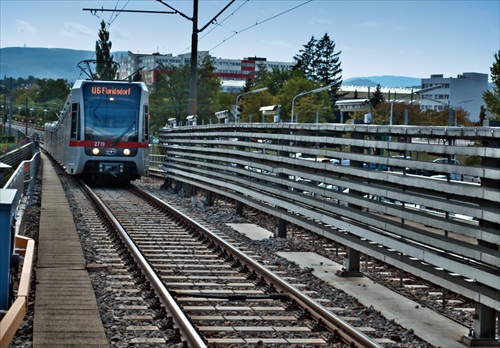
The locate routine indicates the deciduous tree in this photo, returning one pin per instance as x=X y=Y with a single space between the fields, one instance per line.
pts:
x=492 y=98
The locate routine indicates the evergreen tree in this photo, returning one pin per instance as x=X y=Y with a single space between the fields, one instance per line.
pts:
x=377 y=97
x=106 y=69
x=327 y=61
x=319 y=62
x=482 y=115
x=306 y=59
x=492 y=98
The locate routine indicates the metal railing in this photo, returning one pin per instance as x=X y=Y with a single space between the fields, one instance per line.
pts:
x=398 y=196
x=21 y=183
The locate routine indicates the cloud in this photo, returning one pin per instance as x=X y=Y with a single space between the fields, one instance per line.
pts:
x=371 y=24
x=276 y=43
x=119 y=33
x=25 y=28
x=319 y=21
x=76 y=30
x=380 y=25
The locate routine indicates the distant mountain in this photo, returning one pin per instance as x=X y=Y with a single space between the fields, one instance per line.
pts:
x=50 y=63
x=384 y=81
x=57 y=63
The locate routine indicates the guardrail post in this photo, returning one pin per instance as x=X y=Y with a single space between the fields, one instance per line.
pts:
x=7 y=197
x=281 y=223
x=352 y=267
x=239 y=208
x=484 y=317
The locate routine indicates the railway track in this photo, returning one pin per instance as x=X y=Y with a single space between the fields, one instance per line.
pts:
x=441 y=300
x=447 y=303
x=211 y=293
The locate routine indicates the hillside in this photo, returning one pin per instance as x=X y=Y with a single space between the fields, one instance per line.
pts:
x=56 y=63
x=51 y=63
x=384 y=81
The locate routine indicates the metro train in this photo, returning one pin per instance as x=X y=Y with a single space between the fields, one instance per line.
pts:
x=103 y=131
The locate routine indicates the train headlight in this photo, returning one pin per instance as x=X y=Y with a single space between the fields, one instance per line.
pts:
x=126 y=152
x=95 y=151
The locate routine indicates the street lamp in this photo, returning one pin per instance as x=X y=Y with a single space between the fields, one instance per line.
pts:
x=420 y=91
x=308 y=92
x=31 y=116
x=242 y=94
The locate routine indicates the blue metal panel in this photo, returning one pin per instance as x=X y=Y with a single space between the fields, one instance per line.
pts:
x=7 y=208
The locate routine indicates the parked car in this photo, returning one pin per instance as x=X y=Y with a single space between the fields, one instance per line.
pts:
x=374 y=166
x=340 y=161
x=308 y=157
x=457 y=177
x=446 y=160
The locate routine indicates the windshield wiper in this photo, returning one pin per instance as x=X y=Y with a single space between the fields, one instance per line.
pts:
x=125 y=132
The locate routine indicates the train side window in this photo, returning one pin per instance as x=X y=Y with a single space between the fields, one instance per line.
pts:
x=75 y=121
x=146 y=123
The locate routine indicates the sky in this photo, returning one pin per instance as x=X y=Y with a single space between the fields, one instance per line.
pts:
x=375 y=38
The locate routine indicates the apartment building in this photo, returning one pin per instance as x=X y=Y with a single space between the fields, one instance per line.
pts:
x=464 y=91
x=232 y=72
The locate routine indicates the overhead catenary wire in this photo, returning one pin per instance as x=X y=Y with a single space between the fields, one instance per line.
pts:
x=236 y=32
x=258 y=23
x=112 y=17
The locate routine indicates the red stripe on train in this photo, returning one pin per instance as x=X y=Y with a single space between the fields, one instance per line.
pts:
x=118 y=145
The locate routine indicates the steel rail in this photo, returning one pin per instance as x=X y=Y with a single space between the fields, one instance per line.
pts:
x=180 y=320
x=348 y=333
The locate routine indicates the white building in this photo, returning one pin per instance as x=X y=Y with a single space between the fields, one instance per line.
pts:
x=465 y=92
x=232 y=72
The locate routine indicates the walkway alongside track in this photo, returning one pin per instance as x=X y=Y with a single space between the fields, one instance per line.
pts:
x=66 y=312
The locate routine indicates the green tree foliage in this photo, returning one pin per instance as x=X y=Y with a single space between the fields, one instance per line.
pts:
x=225 y=100
x=40 y=99
x=307 y=105
x=251 y=103
x=170 y=99
x=482 y=115
x=319 y=62
x=105 y=68
x=306 y=59
x=208 y=91
x=492 y=98
x=52 y=90
x=171 y=95
x=377 y=97
x=276 y=78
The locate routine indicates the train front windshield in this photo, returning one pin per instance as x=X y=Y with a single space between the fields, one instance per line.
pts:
x=111 y=111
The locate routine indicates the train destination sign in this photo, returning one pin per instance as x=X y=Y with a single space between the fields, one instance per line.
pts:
x=110 y=91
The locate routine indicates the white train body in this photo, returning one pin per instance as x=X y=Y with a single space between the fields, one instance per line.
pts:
x=103 y=130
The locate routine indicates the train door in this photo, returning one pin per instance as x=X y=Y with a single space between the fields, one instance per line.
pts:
x=145 y=132
x=74 y=153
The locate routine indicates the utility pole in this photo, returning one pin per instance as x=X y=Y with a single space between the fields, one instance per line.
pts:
x=194 y=41
x=26 y=117
x=194 y=50
x=10 y=108
x=194 y=62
